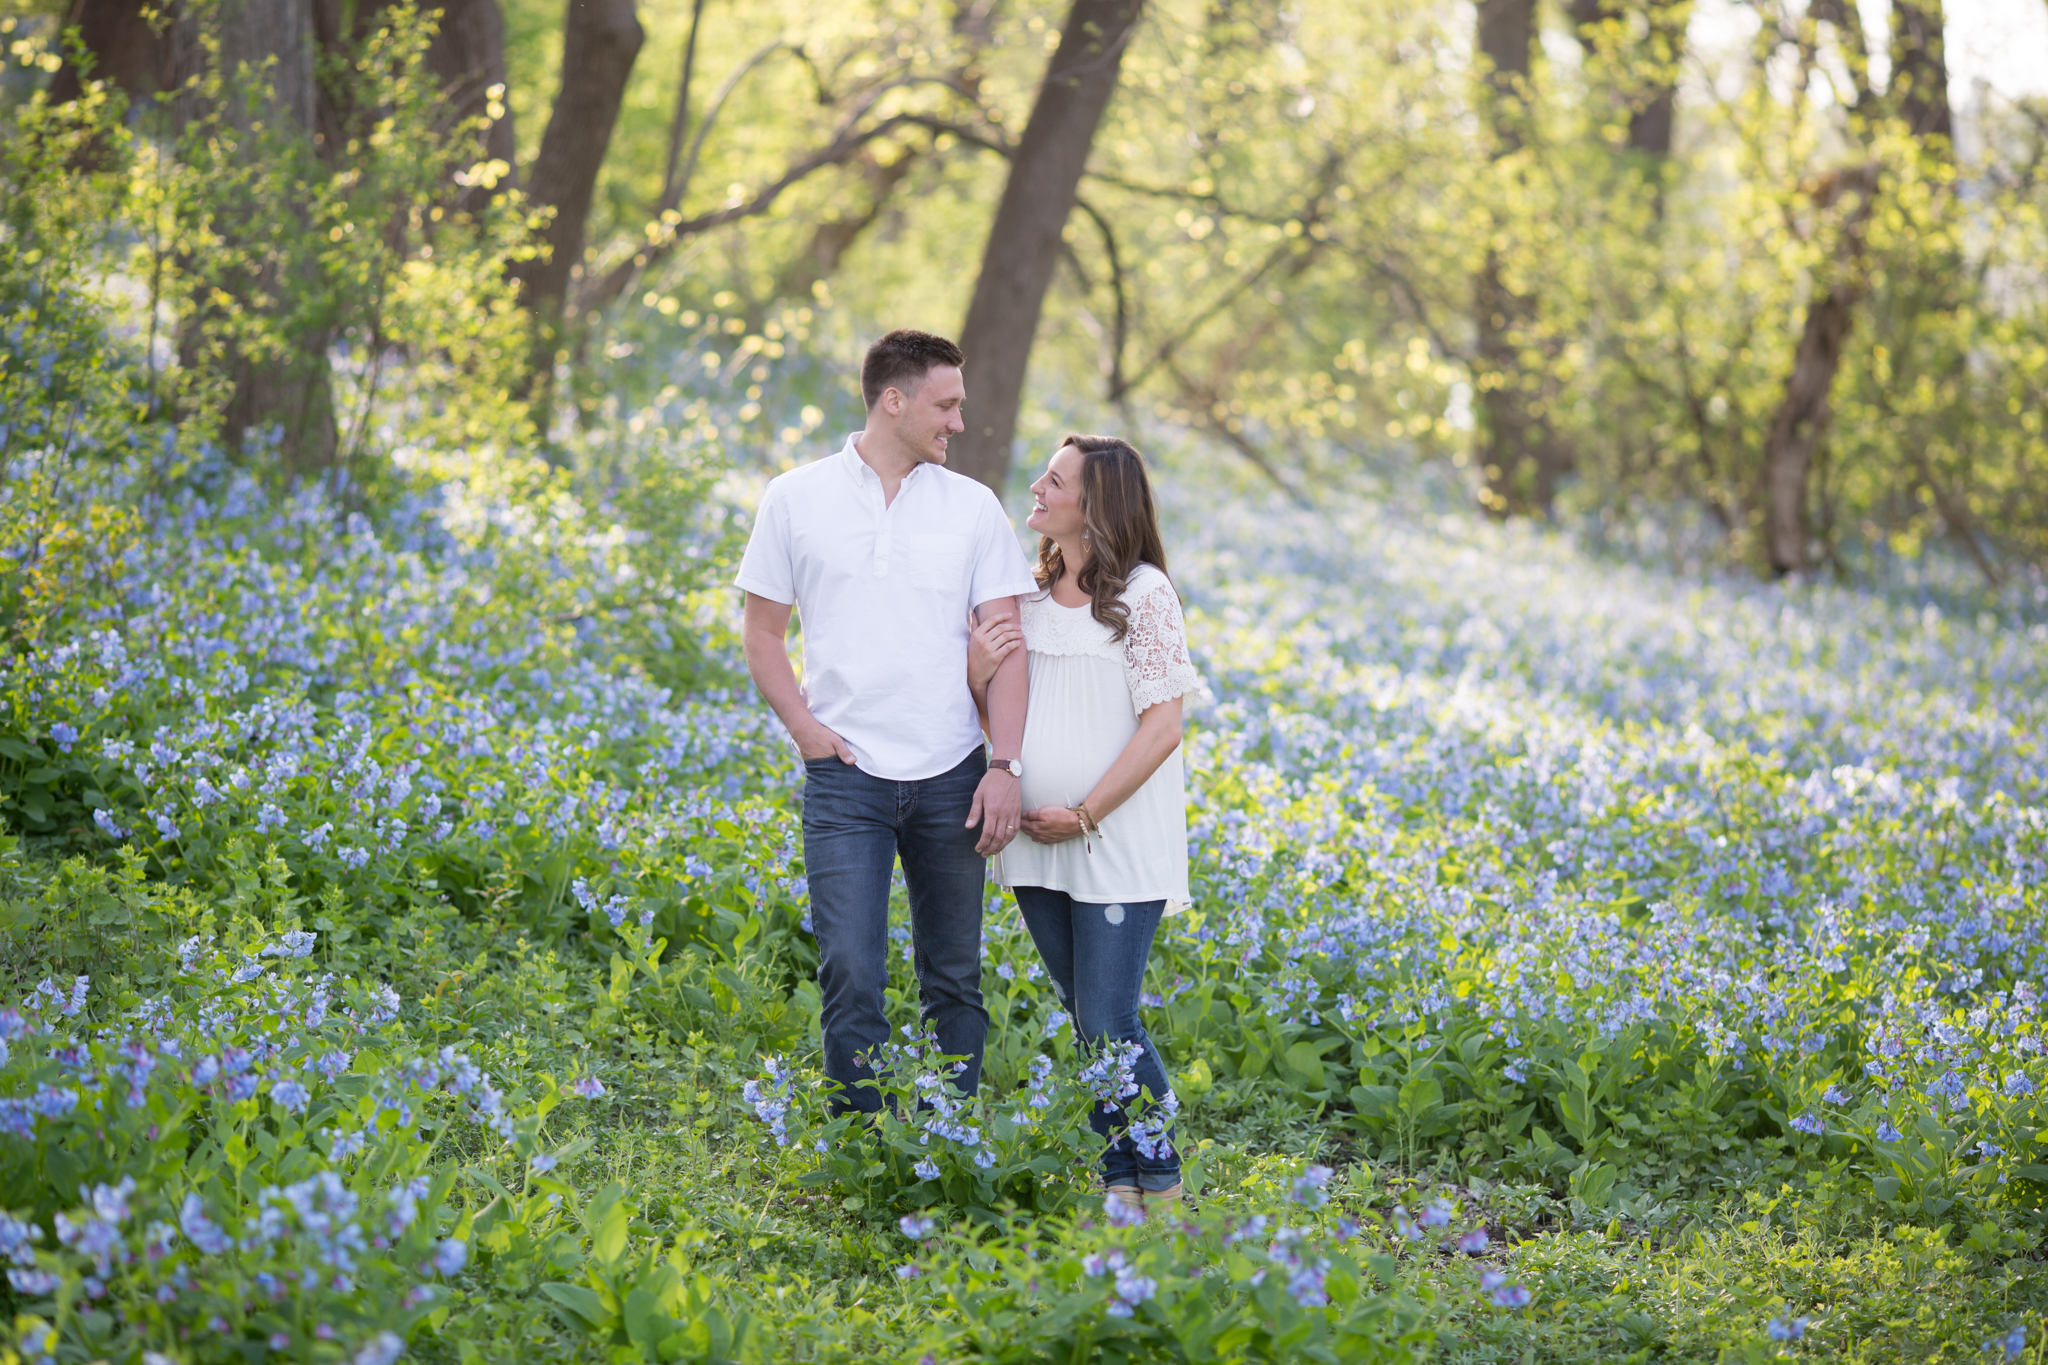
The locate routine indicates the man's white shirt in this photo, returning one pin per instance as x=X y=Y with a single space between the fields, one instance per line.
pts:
x=883 y=593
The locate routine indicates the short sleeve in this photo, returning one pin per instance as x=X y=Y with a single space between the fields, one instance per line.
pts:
x=999 y=566
x=1156 y=662
x=765 y=568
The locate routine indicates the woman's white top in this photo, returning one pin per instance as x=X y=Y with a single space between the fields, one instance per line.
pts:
x=1087 y=691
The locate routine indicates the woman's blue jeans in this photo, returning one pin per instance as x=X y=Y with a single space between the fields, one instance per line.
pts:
x=1096 y=955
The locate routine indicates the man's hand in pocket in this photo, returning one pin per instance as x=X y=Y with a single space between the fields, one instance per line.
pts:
x=821 y=741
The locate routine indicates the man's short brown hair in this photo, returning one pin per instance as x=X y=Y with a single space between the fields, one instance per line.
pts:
x=901 y=356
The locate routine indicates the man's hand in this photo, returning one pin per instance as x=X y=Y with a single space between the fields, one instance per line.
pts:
x=997 y=802
x=817 y=740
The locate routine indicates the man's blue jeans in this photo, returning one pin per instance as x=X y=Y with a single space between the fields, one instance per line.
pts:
x=855 y=827
x=1096 y=955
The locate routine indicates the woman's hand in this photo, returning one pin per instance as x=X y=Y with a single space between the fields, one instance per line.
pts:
x=988 y=644
x=1052 y=824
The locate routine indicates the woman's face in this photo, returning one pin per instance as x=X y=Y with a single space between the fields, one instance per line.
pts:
x=1056 y=497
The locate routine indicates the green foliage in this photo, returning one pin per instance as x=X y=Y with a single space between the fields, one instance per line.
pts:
x=1279 y=233
x=932 y=1150
x=250 y=1153
x=64 y=382
x=205 y=229
x=1279 y=1285
x=645 y=1304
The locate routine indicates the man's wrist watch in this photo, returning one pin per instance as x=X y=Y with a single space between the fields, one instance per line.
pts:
x=1014 y=767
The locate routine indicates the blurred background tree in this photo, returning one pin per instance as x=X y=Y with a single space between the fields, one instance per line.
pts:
x=1756 y=269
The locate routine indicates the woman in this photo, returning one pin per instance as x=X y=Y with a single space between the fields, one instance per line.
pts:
x=1104 y=805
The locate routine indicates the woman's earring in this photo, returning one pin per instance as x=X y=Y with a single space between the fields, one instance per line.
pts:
x=1085 y=535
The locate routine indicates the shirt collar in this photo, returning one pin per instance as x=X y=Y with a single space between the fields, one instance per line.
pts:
x=860 y=471
x=849 y=458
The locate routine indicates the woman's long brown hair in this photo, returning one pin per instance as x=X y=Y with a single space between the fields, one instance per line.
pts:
x=1122 y=528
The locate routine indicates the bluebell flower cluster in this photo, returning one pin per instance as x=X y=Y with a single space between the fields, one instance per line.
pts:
x=1129 y=1288
x=1556 y=811
x=771 y=1097
x=235 y=698
x=337 y=1232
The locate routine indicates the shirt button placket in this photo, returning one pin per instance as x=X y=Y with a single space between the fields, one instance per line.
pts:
x=882 y=536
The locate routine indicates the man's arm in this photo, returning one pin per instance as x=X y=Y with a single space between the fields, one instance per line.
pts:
x=998 y=802
x=763 y=639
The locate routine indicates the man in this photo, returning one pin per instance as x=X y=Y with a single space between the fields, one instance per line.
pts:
x=884 y=550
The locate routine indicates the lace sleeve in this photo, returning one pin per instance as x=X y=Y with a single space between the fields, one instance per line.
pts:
x=1156 y=663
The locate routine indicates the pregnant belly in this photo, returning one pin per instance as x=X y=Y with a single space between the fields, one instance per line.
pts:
x=1053 y=777
x=1078 y=721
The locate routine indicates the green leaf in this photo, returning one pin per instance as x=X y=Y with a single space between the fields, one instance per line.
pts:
x=1885 y=1187
x=1576 y=1109
x=1515 y=1120
x=1593 y=1183
x=1303 y=1064
x=608 y=1243
x=1421 y=1095
x=584 y=1303
x=1374 y=1102
x=646 y=1324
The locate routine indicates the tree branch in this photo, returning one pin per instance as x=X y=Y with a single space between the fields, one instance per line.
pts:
x=672 y=198
x=671 y=191
x=1286 y=250
x=605 y=289
x=1120 y=337
x=1204 y=401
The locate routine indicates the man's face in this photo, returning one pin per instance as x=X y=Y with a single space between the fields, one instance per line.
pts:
x=929 y=414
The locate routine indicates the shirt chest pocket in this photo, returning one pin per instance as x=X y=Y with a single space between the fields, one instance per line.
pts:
x=936 y=564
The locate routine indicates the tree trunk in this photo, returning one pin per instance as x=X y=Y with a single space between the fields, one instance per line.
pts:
x=290 y=394
x=1646 y=79
x=1802 y=416
x=1653 y=105
x=1024 y=241
x=1797 y=426
x=126 y=49
x=468 y=54
x=600 y=41
x=1507 y=32
x=148 y=59
x=1919 y=84
x=1518 y=455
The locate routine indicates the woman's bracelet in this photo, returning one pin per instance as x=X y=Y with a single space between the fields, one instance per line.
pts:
x=1088 y=825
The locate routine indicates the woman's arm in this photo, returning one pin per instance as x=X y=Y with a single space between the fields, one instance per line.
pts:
x=1158 y=735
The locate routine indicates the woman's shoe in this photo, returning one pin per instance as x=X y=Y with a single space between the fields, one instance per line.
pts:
x=1164 y=1201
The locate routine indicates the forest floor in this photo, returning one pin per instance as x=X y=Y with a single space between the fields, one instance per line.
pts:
x=1587 y=963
